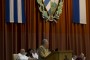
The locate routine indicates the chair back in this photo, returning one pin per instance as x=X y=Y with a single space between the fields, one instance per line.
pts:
x=15 y=56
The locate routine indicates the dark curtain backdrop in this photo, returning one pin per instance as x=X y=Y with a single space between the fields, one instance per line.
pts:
x=63 y=35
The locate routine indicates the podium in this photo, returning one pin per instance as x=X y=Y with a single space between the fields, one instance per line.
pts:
x=59 y=55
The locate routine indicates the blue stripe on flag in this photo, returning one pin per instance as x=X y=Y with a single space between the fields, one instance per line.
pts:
x=76 y=15
x=15 y=12
x=15 y=8
x=23 y=12
x=46 y=2
x=7 y=10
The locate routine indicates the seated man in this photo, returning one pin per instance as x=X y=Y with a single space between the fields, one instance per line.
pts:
x=82 y=56
x=34 y=54
x=29 y=53
x=43 y=49
x=74 y=57
x=22 y=55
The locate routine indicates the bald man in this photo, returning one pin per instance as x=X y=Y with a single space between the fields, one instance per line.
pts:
x=43 y=49
x=22 y=55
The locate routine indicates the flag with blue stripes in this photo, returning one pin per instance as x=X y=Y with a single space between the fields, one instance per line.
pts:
x=51 y=5
x=15 y=11
x=79 y=11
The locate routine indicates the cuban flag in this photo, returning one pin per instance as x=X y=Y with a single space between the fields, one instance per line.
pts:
x=15 y=11
x=79 y=11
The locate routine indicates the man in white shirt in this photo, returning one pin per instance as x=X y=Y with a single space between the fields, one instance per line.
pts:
x=74 y=57
x=22 y=56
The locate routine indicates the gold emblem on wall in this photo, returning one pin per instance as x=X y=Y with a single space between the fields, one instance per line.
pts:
x=50 y=9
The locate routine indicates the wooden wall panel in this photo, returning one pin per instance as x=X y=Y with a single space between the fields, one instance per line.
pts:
x=64 y=35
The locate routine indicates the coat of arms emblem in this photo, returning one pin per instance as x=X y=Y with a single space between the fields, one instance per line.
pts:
x=50 y=9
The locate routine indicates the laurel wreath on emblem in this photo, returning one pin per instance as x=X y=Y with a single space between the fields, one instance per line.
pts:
x=45 y=14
